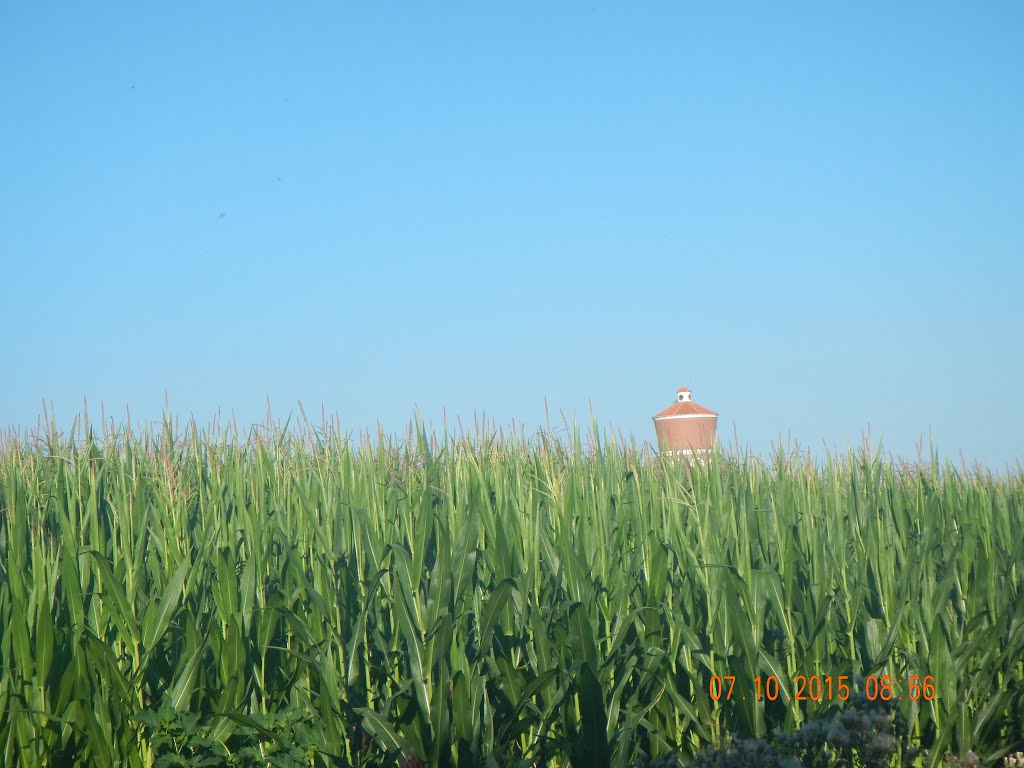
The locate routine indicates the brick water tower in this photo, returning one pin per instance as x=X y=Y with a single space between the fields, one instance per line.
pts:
x=685 y=428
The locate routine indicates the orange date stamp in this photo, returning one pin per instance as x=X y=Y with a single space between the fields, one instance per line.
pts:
x=825 y=688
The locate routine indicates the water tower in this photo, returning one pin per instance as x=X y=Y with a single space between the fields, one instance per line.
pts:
x=685 y=428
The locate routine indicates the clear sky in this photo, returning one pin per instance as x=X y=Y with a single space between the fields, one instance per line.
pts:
x=812 y=214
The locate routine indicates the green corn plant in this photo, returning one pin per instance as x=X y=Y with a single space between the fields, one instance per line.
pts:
x=495 y=598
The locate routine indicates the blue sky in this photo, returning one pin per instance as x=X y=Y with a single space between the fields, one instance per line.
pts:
x=809 y=213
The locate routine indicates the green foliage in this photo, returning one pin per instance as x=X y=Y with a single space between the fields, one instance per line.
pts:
x=491 y=601
x=866 y=734
x=262 y=741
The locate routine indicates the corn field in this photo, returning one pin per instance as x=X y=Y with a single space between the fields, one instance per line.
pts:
x=487 y=601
